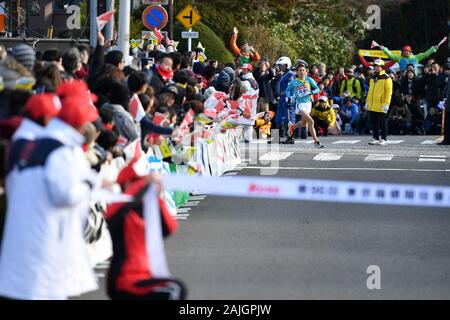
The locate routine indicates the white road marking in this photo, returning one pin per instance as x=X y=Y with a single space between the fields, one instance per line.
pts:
x=304 y=141
x=430 y=158
x=349 y=169
x=197 y=198
x=275 y=156
x=183 y=210
x=429 y=142
x=395 y=141
x=379 y=157
x=191 y=204
x=231 y=173
x=347 y=142
x=328 y=156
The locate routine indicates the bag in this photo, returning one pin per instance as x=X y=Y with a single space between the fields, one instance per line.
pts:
x=94 y=223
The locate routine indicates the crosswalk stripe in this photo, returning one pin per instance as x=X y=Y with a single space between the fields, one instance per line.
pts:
x=379 y=157
x=347 y=142
x=275 y=156
x=430 y=156
x=436 y=141
x=431 y=160
x=328 y=156
x=304 y=141
x=395 y=141
x=231 y=173
x=197 y=198
x=191 y=204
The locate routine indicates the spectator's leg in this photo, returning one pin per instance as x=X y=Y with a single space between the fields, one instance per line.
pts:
x=384 y=126
x=374 y=119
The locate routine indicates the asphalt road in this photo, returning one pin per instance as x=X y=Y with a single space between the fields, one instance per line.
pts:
x=230 y=248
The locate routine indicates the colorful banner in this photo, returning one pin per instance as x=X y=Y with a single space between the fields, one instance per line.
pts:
x=315 y=190
x=377 y=53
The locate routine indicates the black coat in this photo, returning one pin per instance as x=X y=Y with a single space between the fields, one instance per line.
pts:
x=265 y=90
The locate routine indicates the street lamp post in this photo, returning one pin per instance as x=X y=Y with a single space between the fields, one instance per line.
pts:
x=93 y=23
x=124 y=28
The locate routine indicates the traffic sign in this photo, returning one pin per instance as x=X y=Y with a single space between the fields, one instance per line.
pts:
x=154 y=17
x=189 y=17
x=160 y=2
x=187 y=35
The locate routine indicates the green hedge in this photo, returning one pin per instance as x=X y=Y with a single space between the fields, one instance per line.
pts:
x=214 y=47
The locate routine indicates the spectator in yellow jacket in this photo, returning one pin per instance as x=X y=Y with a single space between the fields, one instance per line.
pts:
x=378 y=101
x=323 y=116
x=351 y=84
x=263 y=123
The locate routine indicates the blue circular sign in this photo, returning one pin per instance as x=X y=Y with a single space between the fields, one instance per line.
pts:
x=154 y=17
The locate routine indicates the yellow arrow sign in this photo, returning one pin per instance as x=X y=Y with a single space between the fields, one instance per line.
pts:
x=377 y=53
x=189 y=17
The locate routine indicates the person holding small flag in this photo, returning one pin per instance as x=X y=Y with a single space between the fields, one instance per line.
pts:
x=408 y=57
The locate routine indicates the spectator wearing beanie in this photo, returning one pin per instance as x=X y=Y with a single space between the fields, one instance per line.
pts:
x=223 y=82
x=25 y=55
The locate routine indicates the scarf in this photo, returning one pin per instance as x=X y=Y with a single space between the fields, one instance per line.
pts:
x=166 y=75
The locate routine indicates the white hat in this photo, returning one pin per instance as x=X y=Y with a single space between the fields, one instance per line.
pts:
x=284 y=60
x=323 y=98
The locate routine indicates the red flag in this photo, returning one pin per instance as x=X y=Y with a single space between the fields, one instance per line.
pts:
x=158 y=118
x=158 y=35
x=103 y=19
x=136 y=109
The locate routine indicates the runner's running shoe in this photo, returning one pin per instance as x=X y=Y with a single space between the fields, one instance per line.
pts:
x=318 y=145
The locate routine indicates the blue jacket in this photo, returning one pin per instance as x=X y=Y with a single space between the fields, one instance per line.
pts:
x=283 y=83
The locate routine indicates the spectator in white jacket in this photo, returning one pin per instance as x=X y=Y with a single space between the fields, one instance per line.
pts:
x=43 y=253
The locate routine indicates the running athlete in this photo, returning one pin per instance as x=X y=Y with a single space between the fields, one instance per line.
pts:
x=300 y=92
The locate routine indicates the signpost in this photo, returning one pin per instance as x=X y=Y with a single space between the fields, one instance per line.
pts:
x=189 y=17
x=154 y=17
x=189 y=34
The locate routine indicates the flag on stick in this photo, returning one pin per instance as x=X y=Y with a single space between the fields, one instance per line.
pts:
x=103 y=19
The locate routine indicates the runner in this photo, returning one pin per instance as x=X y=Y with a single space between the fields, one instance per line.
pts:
x=300 y=90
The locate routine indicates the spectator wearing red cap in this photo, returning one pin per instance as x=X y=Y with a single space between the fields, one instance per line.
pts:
x=408 y=57
x=38 y=112
x=49 y=259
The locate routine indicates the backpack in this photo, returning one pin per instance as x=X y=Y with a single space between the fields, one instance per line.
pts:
x=253 y=83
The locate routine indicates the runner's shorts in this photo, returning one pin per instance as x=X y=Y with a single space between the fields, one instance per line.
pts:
x=303 y=107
